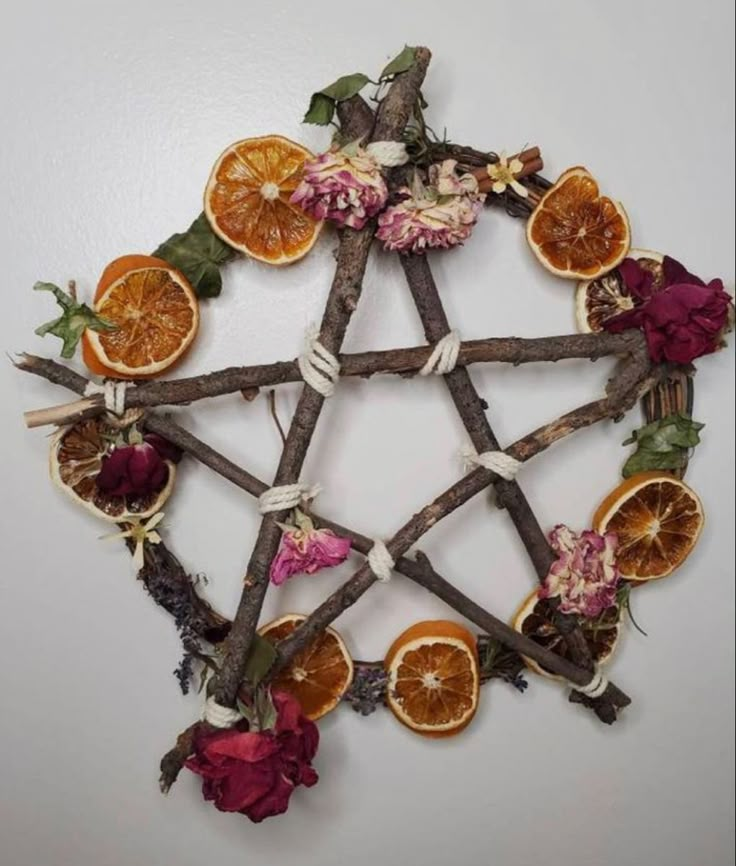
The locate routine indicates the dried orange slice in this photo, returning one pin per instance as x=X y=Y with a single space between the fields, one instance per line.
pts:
x=535 y=620
x=658 y=520
x=607 y=296
x=156 y=315
x=434 y=678
x=74 y=463
x=247 y=200
x=318 y=676
x=577 y=233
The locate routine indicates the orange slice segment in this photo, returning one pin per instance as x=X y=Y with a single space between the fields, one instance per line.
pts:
x=607 y=296
x=74 y=463
x=247 y=200
x=318 y=676
x=658 y=520
x=434 y=679
x=575 y=232
x=156 y=314
x=535 y=620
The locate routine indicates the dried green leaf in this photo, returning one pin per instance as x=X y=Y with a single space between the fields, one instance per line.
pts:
x=258 y=710
x=73 y=321
x=198 y=253
x=323 y=103
x=662 y=445
x=321 y=110
x=260 y=659
x=346 y=87
x=401 y=63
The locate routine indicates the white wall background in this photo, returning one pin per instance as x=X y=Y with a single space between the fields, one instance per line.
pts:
x=112 y=116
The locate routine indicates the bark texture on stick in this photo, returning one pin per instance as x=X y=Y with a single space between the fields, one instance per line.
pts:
x=509 y=494
x=403 y=361
x=392 y=117
x=457 y=495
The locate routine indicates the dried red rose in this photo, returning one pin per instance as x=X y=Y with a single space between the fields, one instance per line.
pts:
x=682 y=321
x=255 y=773
x=136 y=470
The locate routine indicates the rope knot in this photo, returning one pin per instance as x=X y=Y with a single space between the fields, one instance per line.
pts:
x=380 y=561
x=219 y=716
x=113 y=393
x=596 y=687
x=388 y=153
x=320 y=369
x=503 y=464
x=444 y=356
x=284 y=497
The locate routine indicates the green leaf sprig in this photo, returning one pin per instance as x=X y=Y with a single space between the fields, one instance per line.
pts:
x=198 y=253
x=323 y=103
x=73 y=321
x=664 y=444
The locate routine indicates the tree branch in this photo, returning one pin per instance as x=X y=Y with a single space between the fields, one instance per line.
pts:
x=403 y=362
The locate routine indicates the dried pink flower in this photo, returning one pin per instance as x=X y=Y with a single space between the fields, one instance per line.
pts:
x=305 y=550
x=440 y=215
x=585 y=576
x=345 y=186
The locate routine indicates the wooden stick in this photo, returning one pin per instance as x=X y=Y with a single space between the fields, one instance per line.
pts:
x=352 y=257
x=461 y=492
x=170 y=586
x=403 y=362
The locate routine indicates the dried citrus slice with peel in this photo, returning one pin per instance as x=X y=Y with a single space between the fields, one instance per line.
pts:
x=74 y=463
x=318 y=676
x=658 y=520
x=607 y=296
x=156 y=314
x=434 y=678
x=535 y=620
x=577 y=233
x=247 y=200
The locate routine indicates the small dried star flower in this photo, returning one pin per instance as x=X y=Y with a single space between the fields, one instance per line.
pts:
x=504 y=174
x=141 y=534
x=305 y=549
x=585 y=577
x=345 y=186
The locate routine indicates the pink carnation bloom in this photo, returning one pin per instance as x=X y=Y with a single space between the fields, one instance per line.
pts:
x=305 y=550
x=585 y=577
x=438 y=216
x=345 y=186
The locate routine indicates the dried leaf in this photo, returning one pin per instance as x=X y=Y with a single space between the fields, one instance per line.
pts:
x=73 y=321
x=662 y=445
x=401 y=63
x=198 y=253
x=260 y=659
x=323 y=103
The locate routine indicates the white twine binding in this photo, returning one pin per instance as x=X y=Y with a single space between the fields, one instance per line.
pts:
x=218 y=716
x=113 y=392
x=444 y=356
x=500 y=462
x=320 y=369
x=380 y=561
x=595 y=688
x=388 y=153
x=286 y=496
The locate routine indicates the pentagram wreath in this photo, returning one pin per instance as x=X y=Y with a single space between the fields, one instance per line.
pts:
x=386 y=177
